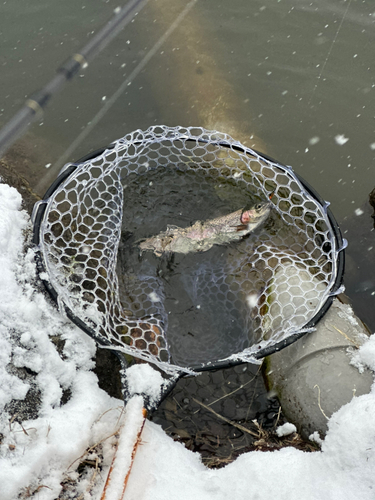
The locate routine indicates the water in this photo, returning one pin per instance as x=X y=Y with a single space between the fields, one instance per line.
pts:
x=204 y=314
x=293 y=78
x=296 y=76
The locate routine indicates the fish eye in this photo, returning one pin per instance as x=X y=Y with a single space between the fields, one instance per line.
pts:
x=258 y=207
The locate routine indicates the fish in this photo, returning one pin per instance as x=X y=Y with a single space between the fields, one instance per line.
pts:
x=203 y=235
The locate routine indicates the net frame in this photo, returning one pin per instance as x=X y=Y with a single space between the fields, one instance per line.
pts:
x=134 y=144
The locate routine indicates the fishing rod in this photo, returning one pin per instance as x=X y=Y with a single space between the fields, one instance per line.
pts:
x=35 y=104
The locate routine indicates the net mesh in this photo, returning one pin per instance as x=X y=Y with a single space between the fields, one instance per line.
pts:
x=178 y=310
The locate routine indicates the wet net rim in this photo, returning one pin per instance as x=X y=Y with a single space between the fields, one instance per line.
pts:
x=70 y=168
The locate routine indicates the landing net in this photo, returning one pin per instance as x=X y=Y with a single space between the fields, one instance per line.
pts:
x=235 y=302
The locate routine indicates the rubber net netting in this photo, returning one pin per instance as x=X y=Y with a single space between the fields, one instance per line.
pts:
x=181 y=310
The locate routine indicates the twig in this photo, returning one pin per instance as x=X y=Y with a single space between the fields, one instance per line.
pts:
x=278 y=418
x=191 y=420
x=234 y=391
x=92 y=480
x=346 y=336
x=12 y=420
x=102 y=440
x=93 y=446
x=239 y=426
x=321 y=409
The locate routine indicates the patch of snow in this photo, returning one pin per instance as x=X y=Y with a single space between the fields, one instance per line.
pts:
x=252 y=300
x=340 y=139
x=316 y=438
x=142 y=379
x=346 y=313
x=364 y=356
x=314 y=140
x=154 y=297
x=286 y=429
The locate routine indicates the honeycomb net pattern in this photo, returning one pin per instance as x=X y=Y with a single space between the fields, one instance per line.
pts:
x=268 y=286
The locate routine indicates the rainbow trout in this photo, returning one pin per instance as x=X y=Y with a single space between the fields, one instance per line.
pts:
x=201 y=236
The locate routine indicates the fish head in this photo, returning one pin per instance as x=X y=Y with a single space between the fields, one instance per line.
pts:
x=257 y=213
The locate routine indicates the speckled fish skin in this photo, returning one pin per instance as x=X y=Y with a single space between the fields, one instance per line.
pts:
x=202 y=236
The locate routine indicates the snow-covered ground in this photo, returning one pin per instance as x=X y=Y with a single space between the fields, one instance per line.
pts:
x=37 y=456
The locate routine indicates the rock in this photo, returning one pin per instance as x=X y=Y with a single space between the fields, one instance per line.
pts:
x=313 y=377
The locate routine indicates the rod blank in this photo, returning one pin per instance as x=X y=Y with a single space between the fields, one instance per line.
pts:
x=35 y=104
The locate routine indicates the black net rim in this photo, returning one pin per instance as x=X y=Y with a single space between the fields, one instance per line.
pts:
x=263 y=352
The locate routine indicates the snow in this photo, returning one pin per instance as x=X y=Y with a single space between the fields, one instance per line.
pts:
x=252 y=300
x=37 y=456
x=142 y=379
x=340 y=139
x=364 y=356
x=286 y=429
x=343 y=469
x=314 y=140
x=315 y=437
x=41 y=451
x=154 y=297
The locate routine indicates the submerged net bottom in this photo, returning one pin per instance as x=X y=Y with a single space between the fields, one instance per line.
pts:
x=208 y=302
